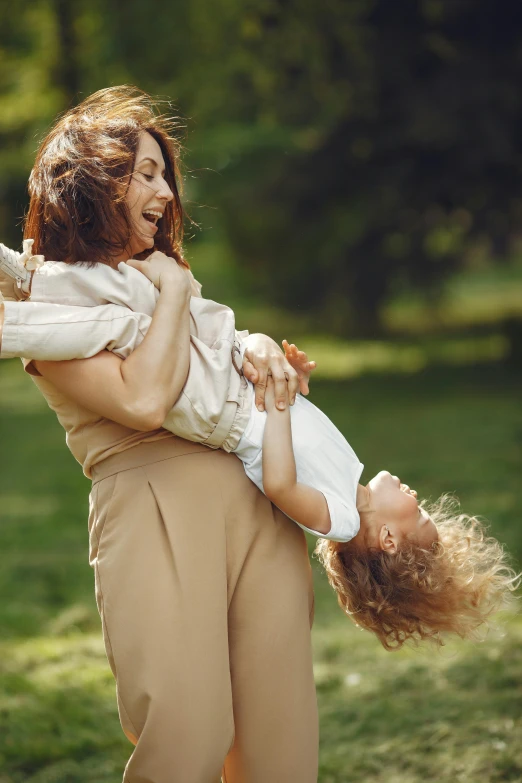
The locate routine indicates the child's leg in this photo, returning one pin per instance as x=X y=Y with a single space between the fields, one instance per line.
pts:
x=55 y=282
x=50 y=332
x=72 y=284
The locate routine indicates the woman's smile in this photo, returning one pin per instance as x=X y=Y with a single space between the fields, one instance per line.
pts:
x=151 y=218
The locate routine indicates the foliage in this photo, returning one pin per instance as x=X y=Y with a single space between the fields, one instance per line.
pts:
x=351 y=147
x=399 y=185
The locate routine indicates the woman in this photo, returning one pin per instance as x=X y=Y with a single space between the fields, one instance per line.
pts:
x=203 y=587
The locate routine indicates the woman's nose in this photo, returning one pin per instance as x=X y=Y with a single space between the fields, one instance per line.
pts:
x=165 y=192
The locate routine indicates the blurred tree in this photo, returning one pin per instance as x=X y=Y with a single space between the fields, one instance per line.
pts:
x=52 y=52
x=356 y=145
x=396 y=143
x=66 y=71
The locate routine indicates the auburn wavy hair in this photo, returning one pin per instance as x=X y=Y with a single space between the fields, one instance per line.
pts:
x=77 y=211
x=417 y=594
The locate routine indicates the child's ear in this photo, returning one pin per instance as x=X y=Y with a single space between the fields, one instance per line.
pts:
x=387 y=540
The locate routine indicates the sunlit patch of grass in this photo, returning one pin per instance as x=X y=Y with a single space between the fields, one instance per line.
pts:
x=474 y=298
x=471 y=298
x=58 y=717
x=22 y=506
x=349 y=358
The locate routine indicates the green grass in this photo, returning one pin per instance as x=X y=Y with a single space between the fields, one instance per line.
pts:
x=401 y=717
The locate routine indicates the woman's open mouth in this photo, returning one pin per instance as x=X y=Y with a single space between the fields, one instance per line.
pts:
x=152 y=216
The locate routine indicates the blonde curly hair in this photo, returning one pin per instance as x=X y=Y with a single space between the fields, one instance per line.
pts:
x=416 y=594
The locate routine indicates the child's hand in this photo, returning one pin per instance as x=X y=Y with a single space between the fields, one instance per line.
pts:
x=301 y=364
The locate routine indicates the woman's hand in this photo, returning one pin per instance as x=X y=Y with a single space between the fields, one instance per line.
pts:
x=263 y=357
x=160 y=269
x=270 y=400
x=301 y=364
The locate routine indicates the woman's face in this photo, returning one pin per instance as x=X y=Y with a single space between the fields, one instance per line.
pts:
x=147 y=196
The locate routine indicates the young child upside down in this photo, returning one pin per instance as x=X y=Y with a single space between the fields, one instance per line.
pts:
x=401 y=569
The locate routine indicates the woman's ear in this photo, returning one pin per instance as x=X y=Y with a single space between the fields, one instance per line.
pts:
x=387 y=541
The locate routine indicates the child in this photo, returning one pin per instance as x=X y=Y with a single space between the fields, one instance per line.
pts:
x=398 y=570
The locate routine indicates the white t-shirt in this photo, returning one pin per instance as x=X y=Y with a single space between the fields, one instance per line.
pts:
x=324 y=460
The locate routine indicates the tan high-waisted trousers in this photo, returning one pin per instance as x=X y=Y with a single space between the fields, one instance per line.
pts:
x=205 y=593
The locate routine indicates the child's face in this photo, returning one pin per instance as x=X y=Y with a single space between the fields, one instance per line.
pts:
x=396 y=512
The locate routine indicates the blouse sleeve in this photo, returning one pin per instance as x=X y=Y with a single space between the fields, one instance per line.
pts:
x=194 y=284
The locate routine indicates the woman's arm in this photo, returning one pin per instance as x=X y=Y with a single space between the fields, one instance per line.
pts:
x=301 y=502
x=138 y=391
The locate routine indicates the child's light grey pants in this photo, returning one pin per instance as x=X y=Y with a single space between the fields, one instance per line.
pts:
x=76 y=312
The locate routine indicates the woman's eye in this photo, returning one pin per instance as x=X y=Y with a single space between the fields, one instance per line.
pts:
x=148 y=177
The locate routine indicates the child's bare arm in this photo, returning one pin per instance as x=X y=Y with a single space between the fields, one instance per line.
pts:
x=305 y=504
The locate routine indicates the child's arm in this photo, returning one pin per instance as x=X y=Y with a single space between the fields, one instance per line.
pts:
x=301 y=502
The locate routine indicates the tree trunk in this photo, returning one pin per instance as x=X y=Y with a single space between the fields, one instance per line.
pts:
x=67 y=72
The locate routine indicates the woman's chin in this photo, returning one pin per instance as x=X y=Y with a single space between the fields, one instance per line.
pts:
x=142 y=246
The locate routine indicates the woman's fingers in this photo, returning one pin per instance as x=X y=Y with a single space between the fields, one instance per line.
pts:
x=285 y=373
x=280 y=385
x=293 y=381
x=260 y=388
x=250 y=371
x=257 y=376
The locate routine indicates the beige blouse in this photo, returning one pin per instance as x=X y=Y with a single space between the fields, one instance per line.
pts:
x=92 y=438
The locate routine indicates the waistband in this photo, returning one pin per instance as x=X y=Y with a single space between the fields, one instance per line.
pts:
x=145 y=454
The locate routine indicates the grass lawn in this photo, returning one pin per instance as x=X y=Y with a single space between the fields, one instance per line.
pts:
x=405 y=717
